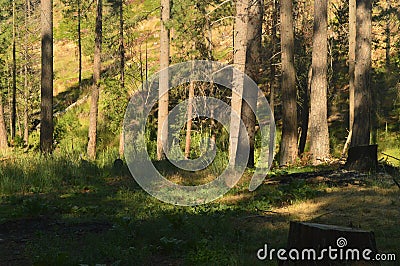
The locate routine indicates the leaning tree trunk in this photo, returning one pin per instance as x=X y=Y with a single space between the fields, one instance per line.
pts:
x=91 y=149
x=362 y=94
x=288 y=148
x=318 y=124
x=46 y=115
x=164 y=79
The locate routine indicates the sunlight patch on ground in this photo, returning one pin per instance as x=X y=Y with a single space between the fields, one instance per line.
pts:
x=372 y=209
x=66 y=68
x=234 y=199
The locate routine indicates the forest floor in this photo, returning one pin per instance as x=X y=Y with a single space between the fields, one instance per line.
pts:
x=111 y=221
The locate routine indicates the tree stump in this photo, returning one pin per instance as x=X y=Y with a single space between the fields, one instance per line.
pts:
x=306 y=236
x=362 y=158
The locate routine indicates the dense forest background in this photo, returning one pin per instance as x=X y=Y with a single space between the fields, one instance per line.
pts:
x=198 y=30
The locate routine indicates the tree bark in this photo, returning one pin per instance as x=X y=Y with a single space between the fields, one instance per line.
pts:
x=121 y=148
x=388 y=35
x=362 y=158
x=91 y=149
x=352 y=58
x=189 y=119
x=247 y=59
x=121 y=44
x=274 y=44
x=14 y=77
x=79 y=45
x=362 y=93
x=318 y=124
x=122 y=67
x=26 y=75
x=46 y=115
x=288 y=148
x=164 y=79
x=252 y=69
x=3 y=129
x=239 y=59
x=305 y=114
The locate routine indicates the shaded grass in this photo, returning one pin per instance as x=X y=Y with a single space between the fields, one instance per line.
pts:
x=86 y=213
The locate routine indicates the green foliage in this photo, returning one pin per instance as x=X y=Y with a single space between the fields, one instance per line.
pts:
x=114 y=101
x=192 y=21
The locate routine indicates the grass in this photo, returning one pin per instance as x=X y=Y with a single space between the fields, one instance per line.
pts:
x=389 y=143
x=63 y=211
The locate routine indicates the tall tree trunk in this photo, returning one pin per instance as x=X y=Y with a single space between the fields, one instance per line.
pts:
x=362 y=93
x=248 y=60
x=189 y=119
x=318 y=124
x=121 y=45
x=239 y=59
x=79 y=45
x=388 y=35
x=288 y=148
x=122 y=67
x=274 y=83
x=305 y=113
x=252 y=69
x=121 y=148
x=46 y=115
x=164 y=79
x=26 y=104
x=3 y=130
x=91 y=149
x=352 y=58
x=146 y=66
x=26 y=74
x=14 y=77
x=274 y=43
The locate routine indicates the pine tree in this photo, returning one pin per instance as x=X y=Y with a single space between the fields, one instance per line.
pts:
x=94 y=99
x=362 y=93
x=46 y=117
x=288 y=148
x=318 y=124
x=164 y=79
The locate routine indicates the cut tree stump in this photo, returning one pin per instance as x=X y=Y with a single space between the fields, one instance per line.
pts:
x=362 y=158
x=321 y=236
